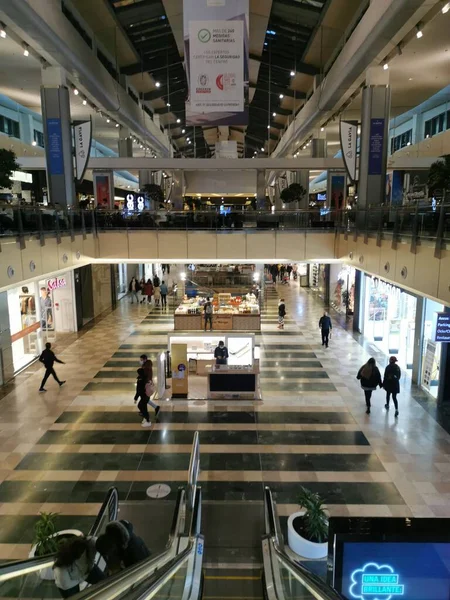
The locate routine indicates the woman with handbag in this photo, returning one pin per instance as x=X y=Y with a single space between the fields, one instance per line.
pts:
x=147 y=365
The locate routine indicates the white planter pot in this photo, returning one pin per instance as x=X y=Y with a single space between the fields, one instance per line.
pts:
x=47 y=574
x=301 y=545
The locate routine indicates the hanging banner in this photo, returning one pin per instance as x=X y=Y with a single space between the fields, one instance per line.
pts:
x=376 y=146
x=349 y=142
x=83 y=139
x=216 y=36
x=104 y=189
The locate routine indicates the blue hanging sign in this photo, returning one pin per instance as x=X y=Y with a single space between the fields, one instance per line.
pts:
x=442 y=332
x=376 y=144
x=55 y=162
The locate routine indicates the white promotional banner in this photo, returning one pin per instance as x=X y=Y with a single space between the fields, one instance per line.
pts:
x=349 y=146
x=83 y=139
x=217 y=66
x=216 y=54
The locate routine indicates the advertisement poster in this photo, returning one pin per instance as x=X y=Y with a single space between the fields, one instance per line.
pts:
x=103 y=190
x=376 y=146
x=55 y=164
x=216 y=51
x=349 y=141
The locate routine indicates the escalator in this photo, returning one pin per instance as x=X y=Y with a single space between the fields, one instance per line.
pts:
x=235 y=566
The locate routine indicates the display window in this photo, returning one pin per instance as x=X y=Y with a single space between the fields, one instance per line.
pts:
x=431 y=350
x=389 y=319
x=343 y=288
x=25 y=325
x=57 y=306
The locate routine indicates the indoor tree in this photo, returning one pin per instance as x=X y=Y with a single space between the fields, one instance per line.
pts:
x=294 y=193
x=154 y=192
x=8 y=164
x=439 y=175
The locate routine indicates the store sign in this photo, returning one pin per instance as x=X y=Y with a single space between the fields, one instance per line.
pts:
x=58 y=282
x=216 y=51
x=442 y=332
x=349 y=143
x=135 y=203
x=375 y=581
x=83 y=138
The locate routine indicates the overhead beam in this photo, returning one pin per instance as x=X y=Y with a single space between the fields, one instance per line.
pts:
x=300 y=67
x=277 y=90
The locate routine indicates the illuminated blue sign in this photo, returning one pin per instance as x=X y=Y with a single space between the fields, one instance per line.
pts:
x=375 y=582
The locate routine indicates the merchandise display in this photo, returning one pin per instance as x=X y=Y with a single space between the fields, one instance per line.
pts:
x=240 y=312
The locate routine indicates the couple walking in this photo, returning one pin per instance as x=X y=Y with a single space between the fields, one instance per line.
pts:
x=370 y=377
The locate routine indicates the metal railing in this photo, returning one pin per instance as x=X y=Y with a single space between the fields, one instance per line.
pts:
x=423 y=221
x=278 y=561
x=194 y=468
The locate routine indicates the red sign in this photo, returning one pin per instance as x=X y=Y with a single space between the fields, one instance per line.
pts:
x=58 y=282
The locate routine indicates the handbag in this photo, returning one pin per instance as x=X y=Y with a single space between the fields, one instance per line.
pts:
x=149 y=388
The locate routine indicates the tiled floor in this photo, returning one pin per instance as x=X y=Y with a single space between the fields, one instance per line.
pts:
x=62 y=450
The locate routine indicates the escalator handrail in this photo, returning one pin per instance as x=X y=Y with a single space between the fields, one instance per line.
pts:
x=20 y=568
x=137 y=575
x=311 y=581
x=194 y=468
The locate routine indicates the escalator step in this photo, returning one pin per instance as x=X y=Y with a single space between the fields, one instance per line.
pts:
x=232 y=584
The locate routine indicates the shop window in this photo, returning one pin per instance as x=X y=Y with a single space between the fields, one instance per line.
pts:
x=10 y=127
x=401 y=141
x=437 y=124
x=38 y=138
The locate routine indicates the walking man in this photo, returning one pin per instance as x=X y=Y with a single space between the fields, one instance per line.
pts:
x=164 y=290
x=48 y=358
x=208 y=314
x=326 y=326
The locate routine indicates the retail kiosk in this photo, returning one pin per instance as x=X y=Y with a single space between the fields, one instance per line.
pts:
x=231 y=313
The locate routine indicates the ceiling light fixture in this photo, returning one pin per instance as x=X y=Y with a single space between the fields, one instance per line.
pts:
x=34 y=143
x=445 y=10
x=322 y=129
x=268 y=126
x=183 y=131
x=117 y=125
x=178 y=120
x=281 y=96
x=385 y=66
x=262 y=149
x=168 y=104
x=274 y=114
x=292 y=73
x=108 y=120
x=158 y=84
x=75 y=91
x=26 y=52
x=419 y=33
x=2 y=30
x=84 y=102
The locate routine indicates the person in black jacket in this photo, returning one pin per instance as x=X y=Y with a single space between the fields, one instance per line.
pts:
x=221 y=354
x=48 y=358
x=370 y=378
x=141 y=395
x=391 y=383
x=325 y=326
x=281 y=313
x=120 y=546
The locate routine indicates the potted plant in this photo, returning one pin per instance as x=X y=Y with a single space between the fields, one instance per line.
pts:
x=8 y=165
x=47 y=539
x=308 y=528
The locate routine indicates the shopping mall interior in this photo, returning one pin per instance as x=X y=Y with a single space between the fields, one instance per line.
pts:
x=224 y=299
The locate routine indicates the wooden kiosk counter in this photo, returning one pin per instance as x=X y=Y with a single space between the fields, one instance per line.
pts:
x=237 y=313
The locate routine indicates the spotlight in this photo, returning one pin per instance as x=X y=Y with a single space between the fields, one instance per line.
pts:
x=262 y=149
x=34 y=143
x=419 y=33
x=281 y=96
x=26 y=52
x=183 y=131
x=292 y=73
x=385 y=66
x=108 y=120
x=117 y=125
x=445 y=10
x=322 y=129
x=274 y=114
x=84 y=102
x=157 y=83
x=178 y=120
x=2 y=30
x=168 y=104
x=268 y=126
x=75 y=91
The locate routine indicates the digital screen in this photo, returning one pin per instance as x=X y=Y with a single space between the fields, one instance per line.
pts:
x=394 y=570
x=238 y=382
x=225 y=210
x=321 y=197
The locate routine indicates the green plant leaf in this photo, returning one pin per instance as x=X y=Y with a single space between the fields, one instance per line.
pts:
x=315 y=518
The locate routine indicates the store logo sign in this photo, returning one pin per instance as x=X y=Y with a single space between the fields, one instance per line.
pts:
x=375 y=582
x=58 y=282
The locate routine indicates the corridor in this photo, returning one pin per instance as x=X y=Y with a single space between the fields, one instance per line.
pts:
x=62 y=450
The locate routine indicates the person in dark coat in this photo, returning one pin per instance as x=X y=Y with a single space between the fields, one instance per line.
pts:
x=391 y=383
x=281 y=313
x=120 y=546
x=48 y=358
x=370 y=378
x=326 y=326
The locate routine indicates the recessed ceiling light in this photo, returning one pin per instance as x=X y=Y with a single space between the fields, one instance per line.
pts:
x=157 y=83
x=178 y=120
x=281 y=96
x=84 y=102
x=34 y=143
x=76 y=92
x=292 y=73
x=386 y=66
x=410 y=79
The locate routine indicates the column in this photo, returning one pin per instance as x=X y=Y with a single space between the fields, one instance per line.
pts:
x=302 y=177
x=376 y=103
x=125 y=143
x=55 y=102
x=260 y=189
x=418 y=329
x=358 y=309
x=177 y=189
x=319 y=144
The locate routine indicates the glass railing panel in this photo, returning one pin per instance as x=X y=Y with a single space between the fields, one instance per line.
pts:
x=291 y=586
x=38 y=584
x=174 y=588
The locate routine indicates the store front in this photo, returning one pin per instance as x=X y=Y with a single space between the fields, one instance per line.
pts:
x=389 y=319
x=431 y=350
x=319 y=280
x=57 y=306
x=342 y=283
x=25 y=325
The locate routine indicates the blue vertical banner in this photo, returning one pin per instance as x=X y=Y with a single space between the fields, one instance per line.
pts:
x=55 y=164
x=376 y=145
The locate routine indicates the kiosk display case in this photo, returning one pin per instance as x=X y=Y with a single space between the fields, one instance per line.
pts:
x=231 y=313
